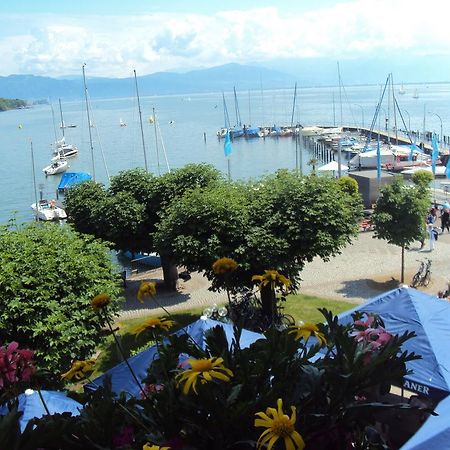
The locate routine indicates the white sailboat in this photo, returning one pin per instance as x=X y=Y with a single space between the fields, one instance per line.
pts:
x=122 y=123
x=416 y=94
x=58 y=166
x=62 y=149
x=402 y=91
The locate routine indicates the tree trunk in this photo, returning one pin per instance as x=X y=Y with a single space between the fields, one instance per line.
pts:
x=402 y=277
x=170 y=273
x=268 y=301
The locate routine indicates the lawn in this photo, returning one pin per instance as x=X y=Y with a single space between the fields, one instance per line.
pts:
x=301 y=307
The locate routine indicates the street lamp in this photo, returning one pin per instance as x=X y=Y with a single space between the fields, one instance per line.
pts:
x=409 y=119
x=362 y=114
x=440 y=119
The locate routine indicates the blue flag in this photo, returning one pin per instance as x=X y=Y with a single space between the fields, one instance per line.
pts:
x=435 y=153
x=447 y=168
x=378 y=161
x=227 y=145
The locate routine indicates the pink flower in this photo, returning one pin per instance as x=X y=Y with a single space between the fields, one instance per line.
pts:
x=16 y=364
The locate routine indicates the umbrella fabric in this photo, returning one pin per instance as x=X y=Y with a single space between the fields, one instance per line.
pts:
x=406 y=309
x=435 y=432
x=121 y=378
x=32 y=407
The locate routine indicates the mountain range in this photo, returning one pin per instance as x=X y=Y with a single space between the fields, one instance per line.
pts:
x=272 y=74
x=220 y=78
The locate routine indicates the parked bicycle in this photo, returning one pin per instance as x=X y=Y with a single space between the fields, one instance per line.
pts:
x=423 y=276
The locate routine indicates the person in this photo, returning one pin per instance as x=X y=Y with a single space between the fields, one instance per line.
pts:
x=445 y=219
x=433 y=234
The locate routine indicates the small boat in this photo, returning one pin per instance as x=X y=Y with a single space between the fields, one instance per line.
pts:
x=48 y=210
x=122 y=123
x=416 y=94
x=401 y=91
x=58 y=166
x=70 y=125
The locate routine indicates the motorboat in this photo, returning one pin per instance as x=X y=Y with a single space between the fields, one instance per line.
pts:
x=48 y=210
x=65 y=151
x=58 y=166
x=439 y=170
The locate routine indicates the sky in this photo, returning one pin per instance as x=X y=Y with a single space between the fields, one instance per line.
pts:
x=54 y=37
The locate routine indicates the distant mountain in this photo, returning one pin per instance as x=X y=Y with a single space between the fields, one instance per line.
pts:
x=220 y=78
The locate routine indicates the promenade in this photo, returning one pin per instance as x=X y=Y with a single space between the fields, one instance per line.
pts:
x=364 y=269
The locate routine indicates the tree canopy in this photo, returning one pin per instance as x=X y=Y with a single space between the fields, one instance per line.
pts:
x=399 y=214
x=278 y=222
x=49 y=276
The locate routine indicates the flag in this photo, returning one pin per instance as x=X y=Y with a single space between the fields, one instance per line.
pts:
x=378 y=161
x=411 y=153
x=447 y=168
x=227 y=145
x=435 y=153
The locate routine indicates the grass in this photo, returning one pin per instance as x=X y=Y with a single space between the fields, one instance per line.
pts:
x=301 y=307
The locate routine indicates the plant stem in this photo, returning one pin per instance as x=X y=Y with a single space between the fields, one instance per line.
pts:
x=125 y=358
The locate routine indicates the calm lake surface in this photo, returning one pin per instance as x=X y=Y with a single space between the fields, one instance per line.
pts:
x=183 y=120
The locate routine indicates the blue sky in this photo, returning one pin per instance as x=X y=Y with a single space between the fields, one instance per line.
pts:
x=54 y=38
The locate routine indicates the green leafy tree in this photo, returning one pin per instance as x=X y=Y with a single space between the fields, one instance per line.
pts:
x=279 y=222
x=422 y=178
x=399 y=215
x=49 y=276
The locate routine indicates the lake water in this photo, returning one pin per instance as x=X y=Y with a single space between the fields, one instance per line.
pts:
x=183 y=120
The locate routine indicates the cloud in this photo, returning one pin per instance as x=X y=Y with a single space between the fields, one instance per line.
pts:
x=113 y=46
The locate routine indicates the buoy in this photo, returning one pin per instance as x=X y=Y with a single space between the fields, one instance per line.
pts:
x=20 y=126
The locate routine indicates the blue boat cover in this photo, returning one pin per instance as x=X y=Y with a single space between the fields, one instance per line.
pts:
x=69 y=179
x=406 y=309
x=121 y=378
x=31 y=405
x=435 y=432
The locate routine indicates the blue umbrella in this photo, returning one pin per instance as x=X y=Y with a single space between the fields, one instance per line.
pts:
x=32 y=407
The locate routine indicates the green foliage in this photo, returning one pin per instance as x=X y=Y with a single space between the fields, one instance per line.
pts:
x=49 y=276
x=422 y=178
x=279 y=222
x=348 y=184
x=336 y=396
x=400 y=212
x=6 y=103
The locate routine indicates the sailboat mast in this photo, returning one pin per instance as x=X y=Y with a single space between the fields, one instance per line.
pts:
x=53 y=119
x=236 y=107
x=225 y=113
x=140 y=121
x=293 y=105
x=156 y=141
x=62 y=120
x=34 y=180
x=340 y=102
x=89 y=122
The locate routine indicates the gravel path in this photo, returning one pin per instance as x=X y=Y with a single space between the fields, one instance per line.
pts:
x=364 y=269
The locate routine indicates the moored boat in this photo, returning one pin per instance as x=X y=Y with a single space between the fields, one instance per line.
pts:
x=48 y=210
x=58 y=166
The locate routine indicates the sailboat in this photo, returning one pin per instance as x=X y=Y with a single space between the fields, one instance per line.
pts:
x=62 y=149
x=122 y=123
x=44 y=209
x=416 y=94
x=401 y=91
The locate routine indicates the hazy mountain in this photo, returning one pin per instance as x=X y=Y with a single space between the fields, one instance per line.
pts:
x=213 y=79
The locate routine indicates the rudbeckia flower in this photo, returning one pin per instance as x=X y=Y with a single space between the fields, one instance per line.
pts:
x=205 y=369
x=305 y=331
x=154 y=325
x=149 y=446
x=272 y=277
x=224 y=266
x=78 y=370
x=146 y=289
x=100 y=301
x=279 y=425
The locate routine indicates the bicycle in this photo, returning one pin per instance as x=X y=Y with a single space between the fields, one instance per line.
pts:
x=423 y=276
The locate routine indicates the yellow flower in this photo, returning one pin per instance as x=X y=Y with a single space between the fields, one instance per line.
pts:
x=206 y=370
x=146 y=289
x=154 y=324
x=100 y=301
x=279 y=425
x=149 y=446
x=305 y=331
x=272 y=277
x=224 y=265
x=78 y=370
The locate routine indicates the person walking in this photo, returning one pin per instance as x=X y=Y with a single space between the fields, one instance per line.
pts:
x=445 y=219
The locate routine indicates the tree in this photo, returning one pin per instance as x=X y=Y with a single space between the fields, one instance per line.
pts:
x=399 y=215
x=279 y=222
x=422 y=178
x=49 y=276
x=127 y=213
